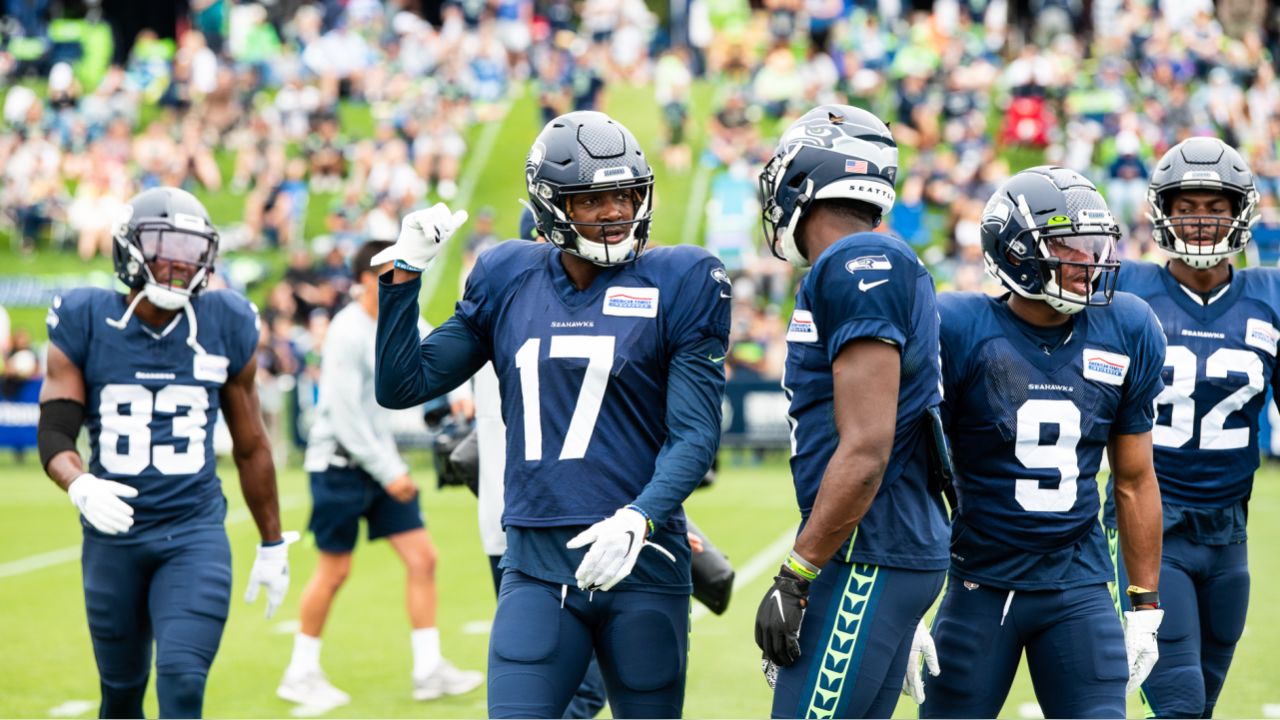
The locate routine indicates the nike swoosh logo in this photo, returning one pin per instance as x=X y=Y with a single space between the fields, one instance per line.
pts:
x=864 y=286
x=777 y=597
x=631 y=540
x=716 y=359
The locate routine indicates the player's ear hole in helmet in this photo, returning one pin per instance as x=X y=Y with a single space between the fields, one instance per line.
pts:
x=1048 y=235
x=833 y=152
x=1202 y=202
x=590 y=188
x=165 y=245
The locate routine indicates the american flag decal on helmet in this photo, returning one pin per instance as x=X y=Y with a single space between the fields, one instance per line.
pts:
x=855 y=166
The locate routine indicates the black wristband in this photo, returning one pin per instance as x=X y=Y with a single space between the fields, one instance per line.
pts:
x=1147 y=598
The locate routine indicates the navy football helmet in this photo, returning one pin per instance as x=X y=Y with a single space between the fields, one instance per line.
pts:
x=587 y=152
x=1209 y=165
x=1048 y=235
x=832 y=151
x=165 y=245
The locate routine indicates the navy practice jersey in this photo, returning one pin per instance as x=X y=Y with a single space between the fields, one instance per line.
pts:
x=1028 y=428
x=583 y=374
x=869 y=285
x=1220 y=360
x=152 y=400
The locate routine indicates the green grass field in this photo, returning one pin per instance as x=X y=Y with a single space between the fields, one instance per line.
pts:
x=47 y=662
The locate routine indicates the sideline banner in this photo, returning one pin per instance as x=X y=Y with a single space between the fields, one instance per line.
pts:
x=755 y=415
x=19 y=415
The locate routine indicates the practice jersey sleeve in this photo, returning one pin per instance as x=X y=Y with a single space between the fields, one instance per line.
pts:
x=1271 y=277
x=68 y=324
x=242 y=329
x=703 y=301
x=1137 y=409
x=864 y=292
x=474 y=310
x=695 y=387
x=409 y=372
x=698 y=335
x=954 y=346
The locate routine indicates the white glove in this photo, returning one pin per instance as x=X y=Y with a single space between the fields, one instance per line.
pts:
x=99 y=502
x=616 y=542
x=1140 y=644
x=271 y=570
x=422 y=234
x=921 y=646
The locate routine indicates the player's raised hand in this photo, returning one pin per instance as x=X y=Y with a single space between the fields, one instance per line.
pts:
x=616 y=543
x=779 y=615
x=422 y=234
x=271 y=571
x=922 y=648
x=99 y=502
x=1140 y=628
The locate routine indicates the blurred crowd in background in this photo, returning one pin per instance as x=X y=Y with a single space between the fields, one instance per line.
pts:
x=973 y=89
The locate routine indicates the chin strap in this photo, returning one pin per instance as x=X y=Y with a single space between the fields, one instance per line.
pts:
x=128 y=313
x=187 y=310
x=191 y=336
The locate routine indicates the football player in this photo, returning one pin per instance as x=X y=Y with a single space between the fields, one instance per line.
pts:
x=1037 y=384
x=356 y=473
x=610 y=364
x=149 y=381
x=1221 y=326
x=862 y=378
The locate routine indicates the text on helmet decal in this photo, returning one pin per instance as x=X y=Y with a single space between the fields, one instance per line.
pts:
x=183 y=221
x=614 y=173
x=1095 y=216
x=1208 y=178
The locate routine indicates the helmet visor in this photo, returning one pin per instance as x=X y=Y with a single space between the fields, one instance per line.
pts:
x=1082 y=249
x=1075 y=267
x=175 y=246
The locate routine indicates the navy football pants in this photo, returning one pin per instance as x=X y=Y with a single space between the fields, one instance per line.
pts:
x=854 y=641
x=1204 y=590
x=588 y=699
x=544 y=634
x=1073 y=640
x=174 y=590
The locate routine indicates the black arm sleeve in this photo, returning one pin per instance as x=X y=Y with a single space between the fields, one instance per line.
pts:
x=59 y=426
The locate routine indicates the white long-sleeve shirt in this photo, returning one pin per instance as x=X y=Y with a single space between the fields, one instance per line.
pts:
x=491 y=434
x=348 y=414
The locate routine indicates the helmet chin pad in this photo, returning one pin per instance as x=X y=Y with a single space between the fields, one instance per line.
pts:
x=1218 y=252
x=165 y=297
x=605 y=254
x=1062 y=305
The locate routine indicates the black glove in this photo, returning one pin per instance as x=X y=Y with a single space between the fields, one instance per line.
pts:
x=778 y=618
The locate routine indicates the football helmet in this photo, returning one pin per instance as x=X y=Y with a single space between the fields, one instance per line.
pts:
x=832 y=151
x=587 y=152
x=1048 y=235
x=1204 y=164
x=165 y=245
